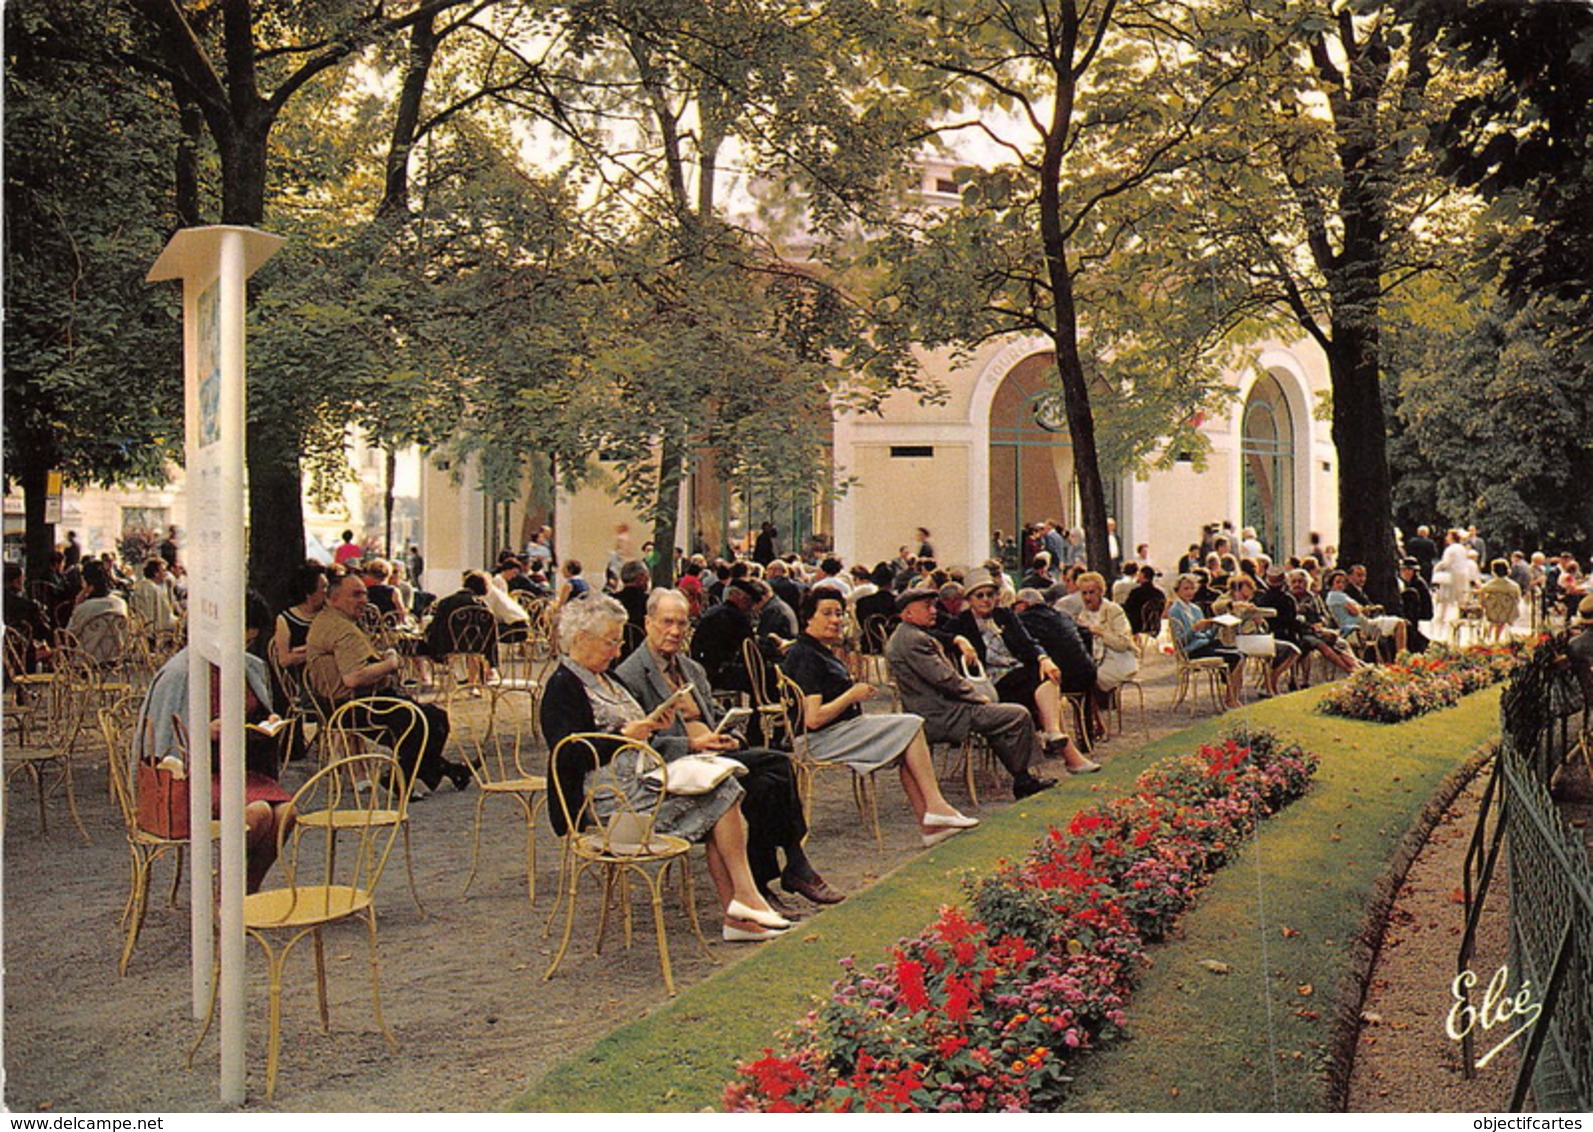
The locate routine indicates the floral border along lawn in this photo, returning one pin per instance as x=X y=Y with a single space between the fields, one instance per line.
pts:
x=1245 y=1041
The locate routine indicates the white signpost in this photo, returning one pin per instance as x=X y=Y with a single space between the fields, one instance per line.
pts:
x=214 y=265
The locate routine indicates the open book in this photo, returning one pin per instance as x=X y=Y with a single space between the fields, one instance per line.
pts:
x=681 y=696
x=268 y=726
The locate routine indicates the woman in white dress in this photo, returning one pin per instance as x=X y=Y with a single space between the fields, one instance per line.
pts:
x=1452 y=576
x=1110 y=635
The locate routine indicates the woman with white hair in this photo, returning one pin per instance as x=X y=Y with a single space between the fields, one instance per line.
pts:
x=581 y=697
x=1111 y=637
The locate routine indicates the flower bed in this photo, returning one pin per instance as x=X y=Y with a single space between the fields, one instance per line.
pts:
x=987 y=1008
x=1421 y=682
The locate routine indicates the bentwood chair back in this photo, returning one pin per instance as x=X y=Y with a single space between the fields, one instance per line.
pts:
x=323 y=887
x=44 y=753
x=349 y=733
x=771 y=713
x=808 y=769
x=606 y=832
x=500 y=757
x=117 y=727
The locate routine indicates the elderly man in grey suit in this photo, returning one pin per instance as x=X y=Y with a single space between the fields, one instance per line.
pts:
x=951 y=708
x=655 y=671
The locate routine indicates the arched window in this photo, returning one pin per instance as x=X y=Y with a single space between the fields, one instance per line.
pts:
x=1031 y=454
x=1267 y=450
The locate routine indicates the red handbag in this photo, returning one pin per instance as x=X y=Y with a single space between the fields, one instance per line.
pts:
x=162 y=802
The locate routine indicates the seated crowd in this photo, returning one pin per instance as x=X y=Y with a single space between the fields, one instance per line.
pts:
x=968 y=655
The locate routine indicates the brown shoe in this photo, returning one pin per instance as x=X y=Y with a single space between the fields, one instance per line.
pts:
x=814 y=888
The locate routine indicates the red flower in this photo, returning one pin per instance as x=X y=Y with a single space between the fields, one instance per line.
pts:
x=910 y=975
x=961 y=997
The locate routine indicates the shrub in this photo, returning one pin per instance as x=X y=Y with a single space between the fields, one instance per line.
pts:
x=1421 y=682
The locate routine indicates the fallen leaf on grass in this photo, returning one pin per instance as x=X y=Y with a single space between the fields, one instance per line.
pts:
x=1458 y=896
x=1304 y=989
x=1371 y=1017
x=1308 y=1015
x=1288 y=932
x=1214 y=966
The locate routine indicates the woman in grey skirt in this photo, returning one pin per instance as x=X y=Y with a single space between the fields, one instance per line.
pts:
x=581 y=698
x=838 y=731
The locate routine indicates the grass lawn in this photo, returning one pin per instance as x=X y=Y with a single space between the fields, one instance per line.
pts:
x=1253 y=1039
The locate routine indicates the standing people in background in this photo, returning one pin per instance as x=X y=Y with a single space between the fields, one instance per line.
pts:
x=1114 y=549
x=348 y=550
x=926 y=549
x=1424 y=550
x=1475 y=542
x=1452 y=576
x=72 y=552
x=168 y=547
x=764 y=550
x=1249 y=545
x=1053 y=543
x=540 y=549
x=617 y=557
x=415 y=564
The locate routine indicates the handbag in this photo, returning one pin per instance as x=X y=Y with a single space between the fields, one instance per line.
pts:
x=982 y=684
x=695 y=774
x=1257 y=644
x=162 y=802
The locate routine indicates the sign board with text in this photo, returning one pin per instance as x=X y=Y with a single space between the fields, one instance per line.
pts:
x=214 y=265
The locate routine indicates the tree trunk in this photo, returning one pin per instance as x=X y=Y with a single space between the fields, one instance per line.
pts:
x=389 y=470
x=276 y=510
x=423 y=39
x=1360 y=431
x=191 y=122
x=1366 y=522
x=1065 y=336
x=666 y=507
x=39 y=536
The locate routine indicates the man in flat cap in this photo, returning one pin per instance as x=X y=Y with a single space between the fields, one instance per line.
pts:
x=931 y=687
x=1415 y=602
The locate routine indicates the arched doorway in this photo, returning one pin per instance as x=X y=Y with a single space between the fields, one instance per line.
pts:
x=1267 y=453
x=1031 y=456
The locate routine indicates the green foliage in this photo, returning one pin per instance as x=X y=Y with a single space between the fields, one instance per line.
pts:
x=1495 y=414
x=93 y=367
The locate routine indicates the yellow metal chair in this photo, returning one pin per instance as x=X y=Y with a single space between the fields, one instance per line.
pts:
x=49 y=749
x=808 y=769
x=771 y=714
x=346 y=736
x=500 y=759
x=323 y=887
x=604 y=831
x=1210 y=670
x=144 y=848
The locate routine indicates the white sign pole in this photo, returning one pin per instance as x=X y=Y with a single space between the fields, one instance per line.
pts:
x=214 y=264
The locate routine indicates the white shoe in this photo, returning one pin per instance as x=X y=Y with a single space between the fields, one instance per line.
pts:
x=739 y=911
x=754 y=935
x=953 y=820
x=930 y=839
